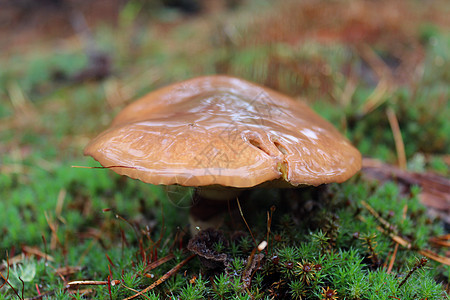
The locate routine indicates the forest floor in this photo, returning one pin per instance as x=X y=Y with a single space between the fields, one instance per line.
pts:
x=378 y=70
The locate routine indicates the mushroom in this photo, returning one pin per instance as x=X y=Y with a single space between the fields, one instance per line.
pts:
x=223 y=135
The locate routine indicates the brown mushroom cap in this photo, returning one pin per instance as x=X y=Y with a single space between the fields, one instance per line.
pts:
x=220 y=130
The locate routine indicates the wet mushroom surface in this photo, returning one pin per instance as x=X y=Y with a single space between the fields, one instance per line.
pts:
x=224 y=131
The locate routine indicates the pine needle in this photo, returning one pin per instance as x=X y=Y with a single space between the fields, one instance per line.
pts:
x=162 y=278
x=398 y=140
x=398 y=239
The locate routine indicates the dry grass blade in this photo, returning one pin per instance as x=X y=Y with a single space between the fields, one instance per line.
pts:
x=91 y=282
x=245 y=221
x=75 y=284
x=133 y=290
x=22 y=105
x=109 y=167
x=346 y=96
x=116 y=94
x=36 y=252
x=398 y=140
x=60 y=202
x=441 y=241
x=378 y=97
x=67 y=270
x=54 y=228
x=159 y=262
x=162 y=278
x=436 y=257
x=375 y=62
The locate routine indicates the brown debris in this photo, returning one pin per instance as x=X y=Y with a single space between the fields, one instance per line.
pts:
x=68 y=270
x=435 y=193
x=202 y=244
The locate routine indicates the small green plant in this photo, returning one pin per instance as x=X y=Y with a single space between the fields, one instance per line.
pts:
x=22 y=273
x=306 y=271
x=297 y=289
x=196 y=290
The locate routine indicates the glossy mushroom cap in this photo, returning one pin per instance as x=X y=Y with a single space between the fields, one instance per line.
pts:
x=220 y=130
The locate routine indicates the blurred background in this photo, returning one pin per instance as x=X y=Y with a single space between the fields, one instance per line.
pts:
x=349 y=59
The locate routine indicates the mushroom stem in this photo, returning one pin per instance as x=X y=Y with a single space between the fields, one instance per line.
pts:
x=208 y=207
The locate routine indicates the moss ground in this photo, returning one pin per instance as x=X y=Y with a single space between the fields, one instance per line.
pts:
x=352 y=65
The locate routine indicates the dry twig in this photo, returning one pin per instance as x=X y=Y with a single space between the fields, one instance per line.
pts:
x=162 y=278
x=398 y=239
